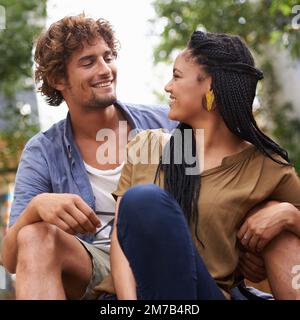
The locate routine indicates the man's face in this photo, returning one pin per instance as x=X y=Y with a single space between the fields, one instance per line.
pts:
x=91 y=77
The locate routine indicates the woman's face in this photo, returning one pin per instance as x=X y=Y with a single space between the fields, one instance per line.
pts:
x=187 y=89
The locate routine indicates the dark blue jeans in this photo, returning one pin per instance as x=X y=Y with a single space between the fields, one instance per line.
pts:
x=154 y=236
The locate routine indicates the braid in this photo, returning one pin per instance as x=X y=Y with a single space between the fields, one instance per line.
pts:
x=234 y=78
x=184 y=188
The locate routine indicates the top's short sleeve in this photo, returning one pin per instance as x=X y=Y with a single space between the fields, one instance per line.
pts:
x=288 y=189
x=142 y=157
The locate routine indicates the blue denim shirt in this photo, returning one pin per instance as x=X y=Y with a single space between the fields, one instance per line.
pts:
x=51 y=161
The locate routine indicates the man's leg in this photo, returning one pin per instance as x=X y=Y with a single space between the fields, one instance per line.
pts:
x=51 y=264
x=155 y=237
x=280 y=256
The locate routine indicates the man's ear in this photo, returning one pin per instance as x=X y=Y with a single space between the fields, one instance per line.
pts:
x=58 y=84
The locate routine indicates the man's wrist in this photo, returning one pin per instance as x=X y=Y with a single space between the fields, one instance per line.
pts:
x=32 y=211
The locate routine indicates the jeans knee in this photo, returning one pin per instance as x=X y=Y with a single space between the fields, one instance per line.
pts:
x=147 y=208
x=144 y=194
x=141 y=199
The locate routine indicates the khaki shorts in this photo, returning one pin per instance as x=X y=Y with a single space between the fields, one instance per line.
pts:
x=101 y=267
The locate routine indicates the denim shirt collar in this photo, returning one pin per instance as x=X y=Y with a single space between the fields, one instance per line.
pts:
x=68 y=132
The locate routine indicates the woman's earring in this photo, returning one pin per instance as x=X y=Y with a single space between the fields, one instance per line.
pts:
x=210 y=98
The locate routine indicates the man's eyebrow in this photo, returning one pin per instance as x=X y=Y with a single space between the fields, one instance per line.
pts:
x=176 y=70
x=84 y=58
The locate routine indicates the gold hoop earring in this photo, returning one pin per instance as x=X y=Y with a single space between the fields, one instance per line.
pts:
x=210 y=98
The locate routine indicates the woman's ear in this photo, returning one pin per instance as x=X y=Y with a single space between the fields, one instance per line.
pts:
x=206 y=81
x=209 y=83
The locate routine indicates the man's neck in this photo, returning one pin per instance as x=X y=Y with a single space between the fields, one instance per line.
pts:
x=86 y=124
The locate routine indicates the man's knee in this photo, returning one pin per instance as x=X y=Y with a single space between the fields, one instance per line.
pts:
x=39 y=237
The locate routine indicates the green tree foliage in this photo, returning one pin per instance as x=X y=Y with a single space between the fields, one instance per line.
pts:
x=257 y=21
x=262 y=24
x=284 y=125
x=23 y=21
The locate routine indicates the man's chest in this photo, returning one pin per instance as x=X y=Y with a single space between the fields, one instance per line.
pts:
x=103 y=155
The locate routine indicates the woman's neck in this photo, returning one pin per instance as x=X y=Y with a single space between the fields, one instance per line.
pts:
x=214 y=137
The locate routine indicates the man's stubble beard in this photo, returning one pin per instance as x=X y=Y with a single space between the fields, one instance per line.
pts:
x=96 y=103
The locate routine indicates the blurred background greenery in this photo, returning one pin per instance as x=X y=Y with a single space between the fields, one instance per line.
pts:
x=23 y=21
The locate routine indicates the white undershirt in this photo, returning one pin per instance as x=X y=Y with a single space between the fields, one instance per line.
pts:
x=103 y=183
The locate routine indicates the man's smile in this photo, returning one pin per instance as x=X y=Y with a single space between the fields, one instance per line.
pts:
x=102 y=84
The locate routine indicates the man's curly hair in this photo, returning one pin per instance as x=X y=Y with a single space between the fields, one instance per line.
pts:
x=55 y=46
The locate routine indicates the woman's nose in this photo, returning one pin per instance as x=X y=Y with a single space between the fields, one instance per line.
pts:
x=168 y=87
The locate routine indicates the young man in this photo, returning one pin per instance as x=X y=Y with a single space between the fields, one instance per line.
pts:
x=63 y=185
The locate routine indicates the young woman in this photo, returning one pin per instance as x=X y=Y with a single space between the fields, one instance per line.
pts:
x=177 y=229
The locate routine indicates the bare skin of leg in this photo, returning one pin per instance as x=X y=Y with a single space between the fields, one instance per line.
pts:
x=51 y=264
x=280 y=256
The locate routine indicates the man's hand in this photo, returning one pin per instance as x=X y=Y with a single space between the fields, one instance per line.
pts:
x=251 y=266
x=67 y=211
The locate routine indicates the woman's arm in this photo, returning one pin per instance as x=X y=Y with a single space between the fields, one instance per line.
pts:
x=122 y=275
x=268 y=221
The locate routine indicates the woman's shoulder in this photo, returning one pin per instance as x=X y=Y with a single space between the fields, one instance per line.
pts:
x=275 y=164
x=146 y=147
x=150 y=136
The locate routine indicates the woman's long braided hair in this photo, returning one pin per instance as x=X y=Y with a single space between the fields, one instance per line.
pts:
x=234 y=78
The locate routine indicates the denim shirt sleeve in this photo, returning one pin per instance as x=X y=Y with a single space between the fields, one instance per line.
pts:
x=32 y=178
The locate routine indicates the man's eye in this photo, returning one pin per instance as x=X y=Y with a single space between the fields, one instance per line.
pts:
x=88 y=64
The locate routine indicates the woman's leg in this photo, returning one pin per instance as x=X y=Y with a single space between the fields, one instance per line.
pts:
x=154 y=235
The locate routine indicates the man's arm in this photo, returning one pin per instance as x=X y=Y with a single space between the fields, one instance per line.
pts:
x=66 y=211
x=32 y=179
x=122 y=275
x=34 y=202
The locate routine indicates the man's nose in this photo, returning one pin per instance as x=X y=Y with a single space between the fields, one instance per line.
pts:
x=103 y=67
